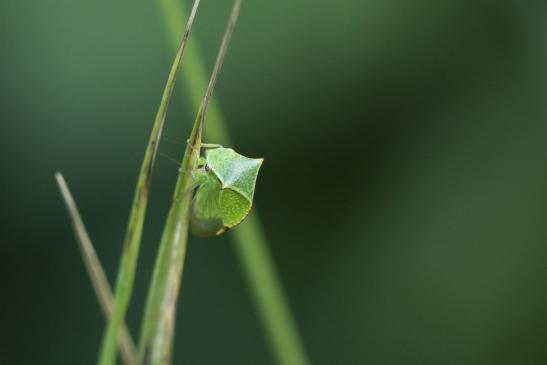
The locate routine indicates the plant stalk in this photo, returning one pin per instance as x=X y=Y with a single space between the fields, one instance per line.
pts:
x=130 y=250
x=155 y=345
x=95 y=270
x=250 y=244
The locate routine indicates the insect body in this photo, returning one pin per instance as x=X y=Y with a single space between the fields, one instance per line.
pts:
x=225 y=187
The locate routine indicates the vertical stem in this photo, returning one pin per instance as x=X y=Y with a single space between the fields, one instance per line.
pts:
x=131 y=244
x=159 y=317
x=251 y=245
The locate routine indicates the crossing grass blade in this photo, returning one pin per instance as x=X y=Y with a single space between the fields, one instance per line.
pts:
x=131 y=244
x=159 y=318
x=95 y=271
x=250 y=244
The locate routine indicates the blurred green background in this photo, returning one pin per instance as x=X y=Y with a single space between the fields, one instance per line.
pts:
x=404 y=192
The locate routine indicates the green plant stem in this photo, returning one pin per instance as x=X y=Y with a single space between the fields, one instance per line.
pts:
x=250 y=242
x=95 y=270
x=130 y=251
x=265 y=286
x=159 y=316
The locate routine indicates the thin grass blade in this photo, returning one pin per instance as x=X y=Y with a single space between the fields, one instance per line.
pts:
x=130 y=250
x=95 y=271
x=251 y=245
x=159 y=318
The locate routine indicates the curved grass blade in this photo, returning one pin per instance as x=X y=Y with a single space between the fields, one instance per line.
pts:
x=251 y=245
x=95 y=271
x=130 y=250
x=159 y=316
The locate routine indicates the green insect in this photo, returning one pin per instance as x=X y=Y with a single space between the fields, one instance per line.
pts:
x=225 y=183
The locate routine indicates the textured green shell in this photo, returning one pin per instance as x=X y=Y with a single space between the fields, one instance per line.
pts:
x=224 y=196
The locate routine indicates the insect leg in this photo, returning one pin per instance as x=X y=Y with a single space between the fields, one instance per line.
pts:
x=198 y=178
x=210 y=145
x=202 y=162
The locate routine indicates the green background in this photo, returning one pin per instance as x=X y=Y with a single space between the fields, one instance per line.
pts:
x=404 y=193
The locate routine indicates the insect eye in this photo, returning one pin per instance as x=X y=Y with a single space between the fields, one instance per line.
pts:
x=207 y=168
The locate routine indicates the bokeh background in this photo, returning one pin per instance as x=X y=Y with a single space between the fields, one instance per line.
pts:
x=404 y=193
